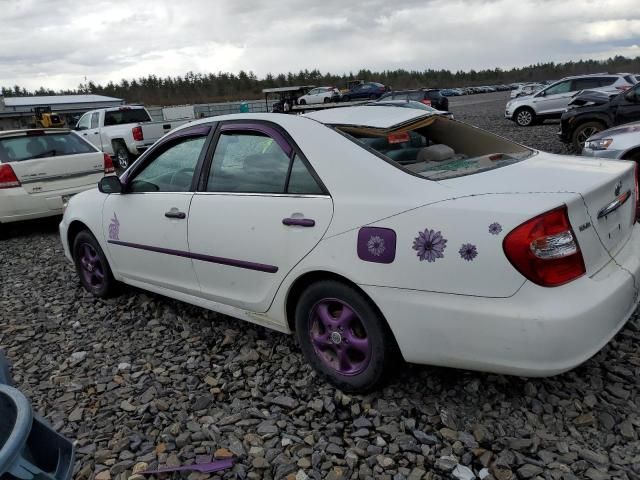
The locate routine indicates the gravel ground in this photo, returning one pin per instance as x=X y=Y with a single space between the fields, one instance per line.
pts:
x=144 y=378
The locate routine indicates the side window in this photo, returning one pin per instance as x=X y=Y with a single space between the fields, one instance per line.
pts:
x=84 y=122
x=562 y=87
x=587 y=83
x=172 y=170
x=418 y=96
x=248 y=162
x=94 y=120
x=301 y=181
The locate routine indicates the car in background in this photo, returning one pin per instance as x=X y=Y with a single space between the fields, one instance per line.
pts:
x=621 y=142
x=429 y=96
x=366 y=90
x=41 y=169
x=591 y=112
x=551 y=101
x=526 y=89
x=320 y=95
x=383 y=260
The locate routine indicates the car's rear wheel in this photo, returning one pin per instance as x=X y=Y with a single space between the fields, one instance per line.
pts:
x=302 y=101
x=525 y=117
x=583 y=132
x=326 y=100
x=344 y=337
x=122 y=156
x=92 y=266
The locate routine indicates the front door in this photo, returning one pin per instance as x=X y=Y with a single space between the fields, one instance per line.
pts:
x=262 y=210
x=93 y=133
x=146 y=226
x=553 y=100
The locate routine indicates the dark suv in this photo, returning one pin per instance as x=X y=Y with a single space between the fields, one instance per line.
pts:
x=428 y=96
x=591 y=112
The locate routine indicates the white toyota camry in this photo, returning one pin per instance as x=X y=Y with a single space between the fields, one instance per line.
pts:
x=374 y=234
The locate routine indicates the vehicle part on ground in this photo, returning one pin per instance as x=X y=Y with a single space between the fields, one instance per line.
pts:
x=211 y=467
x=29 y=448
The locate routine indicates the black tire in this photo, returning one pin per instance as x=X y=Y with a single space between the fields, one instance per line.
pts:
x=582 y=132
x=346 y=98
x=373 y=96
x=122 y=155
x=88 y=276
x=326 y=100
x=302 y=102
x=366 y=325
x=524 y=117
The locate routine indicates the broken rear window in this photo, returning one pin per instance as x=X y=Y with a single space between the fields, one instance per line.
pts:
x=438 y=148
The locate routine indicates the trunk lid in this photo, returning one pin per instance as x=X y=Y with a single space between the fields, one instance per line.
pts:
x=594 y=184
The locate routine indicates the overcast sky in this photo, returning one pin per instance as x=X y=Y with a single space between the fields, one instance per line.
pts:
x=57 y=43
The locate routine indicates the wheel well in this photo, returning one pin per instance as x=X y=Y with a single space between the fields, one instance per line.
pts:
x=632 y=155
x=524 y=107
x=117 y=142
x=74 y=229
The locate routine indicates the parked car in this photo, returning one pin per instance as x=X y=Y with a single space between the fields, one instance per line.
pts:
x=551 y=101
x=429 y=96
x=351 y=228
x=40 y=169
x=320 y=95
x=123 y=132
x=526 y=89
x=621 y=142
x=370 y=90
x=592 y=111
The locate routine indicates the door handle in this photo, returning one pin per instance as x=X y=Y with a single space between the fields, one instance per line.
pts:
x=298 y=222
x=175 y=213
x=95 y=133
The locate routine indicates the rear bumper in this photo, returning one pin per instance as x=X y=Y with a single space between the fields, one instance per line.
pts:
x=536 y=332
x=17 y=205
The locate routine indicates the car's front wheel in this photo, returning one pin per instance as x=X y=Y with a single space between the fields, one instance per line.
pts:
x=302 y=101
x=525 y=117
x=583 y=132
x=344 y=337
x=92 y=266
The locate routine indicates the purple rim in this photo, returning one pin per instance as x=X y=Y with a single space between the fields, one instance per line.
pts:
x=91 y=266
x=339 y=337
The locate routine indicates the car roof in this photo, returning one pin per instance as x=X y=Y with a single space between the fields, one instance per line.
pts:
x=367 y=116
x=26 y=131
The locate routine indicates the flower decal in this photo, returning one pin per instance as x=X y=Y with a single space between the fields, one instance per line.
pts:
x=376 y=246
x=495 y=228
x=430 y=245
x=468 y=251
x=114 y=228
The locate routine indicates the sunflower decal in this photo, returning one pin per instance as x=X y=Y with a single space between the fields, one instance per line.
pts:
x=429 y=245
x=468 y=252
x=495 y=228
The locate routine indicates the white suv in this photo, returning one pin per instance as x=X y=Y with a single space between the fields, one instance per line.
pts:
x=551 y=101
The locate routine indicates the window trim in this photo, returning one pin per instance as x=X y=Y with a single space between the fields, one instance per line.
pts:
x=202 y=130
x=267 y=128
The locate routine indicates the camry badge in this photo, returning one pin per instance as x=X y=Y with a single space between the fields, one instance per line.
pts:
x=618 y=188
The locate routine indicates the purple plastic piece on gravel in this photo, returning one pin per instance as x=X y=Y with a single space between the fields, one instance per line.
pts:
x=215 y=466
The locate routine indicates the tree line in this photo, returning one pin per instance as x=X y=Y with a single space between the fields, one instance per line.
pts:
x=224 y=86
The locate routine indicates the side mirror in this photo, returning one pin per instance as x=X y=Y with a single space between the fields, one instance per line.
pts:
x=110 y=184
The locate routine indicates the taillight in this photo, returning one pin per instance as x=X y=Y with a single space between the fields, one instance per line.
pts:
x=545 y=249
x=8 y=177
x=108 y=164
x=137 y=133
x=426 y=102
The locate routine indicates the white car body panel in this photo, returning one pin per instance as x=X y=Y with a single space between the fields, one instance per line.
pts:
x=481 y=314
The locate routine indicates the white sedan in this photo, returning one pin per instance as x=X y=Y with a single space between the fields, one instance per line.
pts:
x=374 y=233
x=320 y=95
x=41 y=169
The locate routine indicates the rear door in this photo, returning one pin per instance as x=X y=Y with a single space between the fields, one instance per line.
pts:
x=262 y=209
x=45 y=162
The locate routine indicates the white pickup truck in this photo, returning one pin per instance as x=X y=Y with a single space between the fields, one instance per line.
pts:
x=123 y=132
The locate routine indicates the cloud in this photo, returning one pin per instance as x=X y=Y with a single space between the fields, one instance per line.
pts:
x=57 y=44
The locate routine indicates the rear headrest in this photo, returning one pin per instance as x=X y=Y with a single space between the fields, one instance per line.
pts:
x=435 y=153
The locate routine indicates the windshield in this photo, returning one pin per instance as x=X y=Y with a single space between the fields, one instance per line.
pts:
x=438 y=148
x=28 y=147
x=122 y=117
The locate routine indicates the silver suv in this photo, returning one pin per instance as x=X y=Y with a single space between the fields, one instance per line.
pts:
x=551 y=101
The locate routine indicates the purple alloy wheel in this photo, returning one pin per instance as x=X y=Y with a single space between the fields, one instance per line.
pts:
x=91 y=266
x=339 y=337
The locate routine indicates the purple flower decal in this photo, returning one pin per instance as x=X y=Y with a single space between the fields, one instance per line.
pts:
x=468 y=251
x=114 y=228
x=495 y=228
x=430 y=245
x=376 y=246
